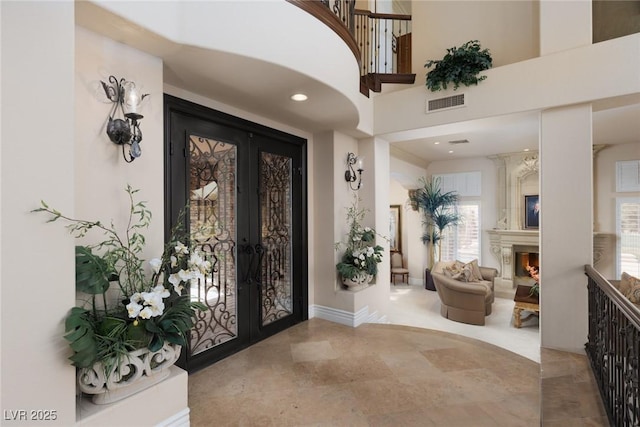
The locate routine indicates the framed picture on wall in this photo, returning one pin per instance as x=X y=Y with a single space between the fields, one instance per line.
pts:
x=531 y=211
x=395 y=242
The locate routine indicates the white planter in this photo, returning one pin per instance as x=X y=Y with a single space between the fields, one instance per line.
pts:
x=360 y=281
x=140 y=370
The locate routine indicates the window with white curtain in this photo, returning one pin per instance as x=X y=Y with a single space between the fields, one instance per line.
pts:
x=462 y=242
x=628 y=232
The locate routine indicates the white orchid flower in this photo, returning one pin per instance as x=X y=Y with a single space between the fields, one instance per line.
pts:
x=133 y=309
x=146 y=313
x=176 y=281
x=160 y=290
x=205 y=267
x=174 y=261
x=136 y=298
x=181 y=249
x=185 y=275
x=156 y=263
x=197 y=262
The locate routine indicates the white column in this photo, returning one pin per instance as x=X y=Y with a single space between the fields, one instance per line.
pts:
x=566 y=224
x=37 y=162
x=566 y=220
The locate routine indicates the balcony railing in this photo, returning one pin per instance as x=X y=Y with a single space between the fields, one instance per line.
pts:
x=613 y=349
x=380 y=42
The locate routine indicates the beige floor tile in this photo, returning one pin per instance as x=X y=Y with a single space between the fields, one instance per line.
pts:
x=312 y=351
x=319 y=373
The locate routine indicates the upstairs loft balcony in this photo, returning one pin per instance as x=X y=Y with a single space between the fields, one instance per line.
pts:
x=380 y=42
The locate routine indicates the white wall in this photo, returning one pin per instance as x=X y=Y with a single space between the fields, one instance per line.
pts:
x=37 y=162
x=439 y=25
x=101 y=172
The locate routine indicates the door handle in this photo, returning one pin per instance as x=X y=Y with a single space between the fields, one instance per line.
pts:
x=259 y=250
x=255 y=253
x=249 y=251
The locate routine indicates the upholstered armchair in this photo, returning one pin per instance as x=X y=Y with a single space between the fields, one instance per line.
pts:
x=466 y=302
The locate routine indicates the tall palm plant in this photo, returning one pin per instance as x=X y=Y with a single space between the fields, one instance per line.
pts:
x=437 y=213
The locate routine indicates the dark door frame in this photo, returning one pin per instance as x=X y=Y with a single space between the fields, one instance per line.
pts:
x=174 y=105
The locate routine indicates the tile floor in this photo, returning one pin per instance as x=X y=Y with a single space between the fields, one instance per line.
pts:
x=319 y=373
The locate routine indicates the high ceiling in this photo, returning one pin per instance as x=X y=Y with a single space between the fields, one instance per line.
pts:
x=264 y=89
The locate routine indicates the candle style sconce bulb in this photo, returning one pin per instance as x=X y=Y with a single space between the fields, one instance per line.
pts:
x=126 y=131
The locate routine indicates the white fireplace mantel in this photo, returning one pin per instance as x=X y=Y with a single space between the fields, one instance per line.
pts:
x=502 y=243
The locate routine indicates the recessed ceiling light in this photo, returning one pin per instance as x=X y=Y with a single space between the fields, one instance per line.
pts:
x=526 y=149
x=436 y=143
x=299 y=97
x=450 y=151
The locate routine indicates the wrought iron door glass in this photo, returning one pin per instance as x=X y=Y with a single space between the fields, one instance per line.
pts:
x=212 y=199
x=276 y=276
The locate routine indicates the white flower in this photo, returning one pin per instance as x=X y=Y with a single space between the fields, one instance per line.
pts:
x=205 y=267
x=137 y=297
x=153 y=301
x=195 y=260
x=156 y=263
x=160 y=290
x=174 y=261
x=175 y=280
x=181 y=249
x=133 y=309
x=361 y=256
x=367 y=229
x=185 y=275
x=146 y=313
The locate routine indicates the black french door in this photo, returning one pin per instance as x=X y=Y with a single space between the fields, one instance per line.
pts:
x=245 y=187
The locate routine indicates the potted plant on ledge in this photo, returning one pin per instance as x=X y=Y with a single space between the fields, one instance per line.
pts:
x=461 y=65
x=359 y=263
x=126 y=336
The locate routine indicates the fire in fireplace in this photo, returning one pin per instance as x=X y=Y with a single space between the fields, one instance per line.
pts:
x=525 y=256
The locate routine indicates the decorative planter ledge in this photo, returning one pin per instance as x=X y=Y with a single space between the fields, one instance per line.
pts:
x=168 y=399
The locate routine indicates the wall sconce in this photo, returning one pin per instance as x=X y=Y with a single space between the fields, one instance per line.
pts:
x=126 y=96
x=350 y=174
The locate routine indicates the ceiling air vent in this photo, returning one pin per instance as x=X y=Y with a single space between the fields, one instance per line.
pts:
x=447 y=103
x=459 y=141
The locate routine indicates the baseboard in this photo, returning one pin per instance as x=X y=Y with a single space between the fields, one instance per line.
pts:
x=340 y=316
x=181 y=419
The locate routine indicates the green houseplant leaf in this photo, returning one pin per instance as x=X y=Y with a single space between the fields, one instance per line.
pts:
x=92 y=272
x=81 y=337
x=461 y=65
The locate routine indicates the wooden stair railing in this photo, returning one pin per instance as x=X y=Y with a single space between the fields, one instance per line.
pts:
x=380 y=42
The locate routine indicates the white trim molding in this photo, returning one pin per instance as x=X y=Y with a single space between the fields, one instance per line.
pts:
x=181 y=419
x=346 y=317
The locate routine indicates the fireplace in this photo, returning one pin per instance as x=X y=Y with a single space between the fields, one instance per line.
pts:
x=506 y=245
x=525 y=256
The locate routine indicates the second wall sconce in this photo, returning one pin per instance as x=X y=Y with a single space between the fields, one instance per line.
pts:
x=126 y=131
x=350 y=174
